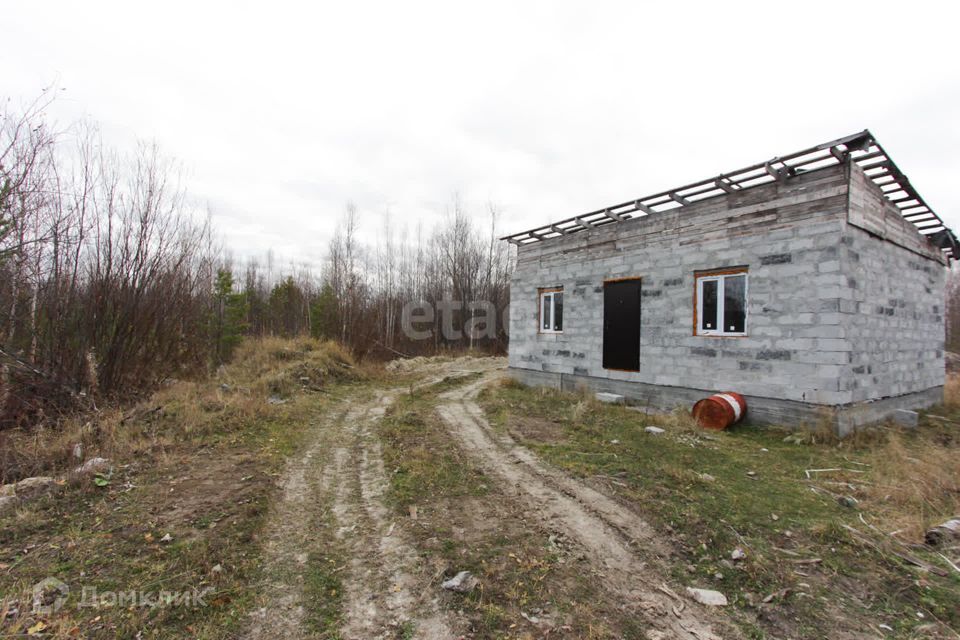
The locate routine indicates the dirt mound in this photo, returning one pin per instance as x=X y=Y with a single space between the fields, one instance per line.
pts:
x=422 y=363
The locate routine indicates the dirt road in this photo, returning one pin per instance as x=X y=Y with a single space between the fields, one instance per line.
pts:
x=621 y=545
x=335 y=488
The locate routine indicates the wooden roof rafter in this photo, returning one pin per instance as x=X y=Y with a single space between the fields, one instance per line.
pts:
x=860 y=148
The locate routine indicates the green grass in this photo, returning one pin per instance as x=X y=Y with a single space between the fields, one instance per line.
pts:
x=425 y=464
x=323 y=594
x=407 y=631
x=695 y=487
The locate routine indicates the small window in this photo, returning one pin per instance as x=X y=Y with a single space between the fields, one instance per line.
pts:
x=721 y=303
x=551 y=310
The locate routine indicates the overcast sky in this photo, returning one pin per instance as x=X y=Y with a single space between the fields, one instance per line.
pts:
x=284 y=111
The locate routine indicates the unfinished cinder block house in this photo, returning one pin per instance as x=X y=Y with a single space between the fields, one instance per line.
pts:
x=813 y=284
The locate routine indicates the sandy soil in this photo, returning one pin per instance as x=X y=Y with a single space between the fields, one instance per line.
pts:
x=386 y=589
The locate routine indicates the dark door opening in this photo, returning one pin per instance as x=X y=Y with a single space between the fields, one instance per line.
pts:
x=621 y=325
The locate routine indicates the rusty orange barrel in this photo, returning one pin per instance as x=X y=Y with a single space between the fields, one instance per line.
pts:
x=720 y=410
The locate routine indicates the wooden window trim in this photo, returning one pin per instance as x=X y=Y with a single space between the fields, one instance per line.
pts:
x=540 y=293
x=710 y=273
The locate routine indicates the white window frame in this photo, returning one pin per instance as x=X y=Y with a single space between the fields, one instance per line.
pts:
x=543 y=296
x=720 y=279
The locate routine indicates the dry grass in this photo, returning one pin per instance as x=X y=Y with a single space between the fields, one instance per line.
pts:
x=198 y=460
x=915 y=484
x=913 y=476
x=181 y=410
x=951 y=392
x=510 y=383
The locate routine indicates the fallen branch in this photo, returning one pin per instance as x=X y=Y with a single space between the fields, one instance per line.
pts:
x=676 y=609
x=809 y=471
x=949 y=562
x=903 y=556
x=786 y=551
x=862 y=464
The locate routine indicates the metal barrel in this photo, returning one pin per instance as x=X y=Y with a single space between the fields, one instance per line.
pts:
x=720 y=410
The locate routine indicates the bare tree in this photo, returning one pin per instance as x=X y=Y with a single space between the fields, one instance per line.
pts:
x=107 y=275
x=457 y=270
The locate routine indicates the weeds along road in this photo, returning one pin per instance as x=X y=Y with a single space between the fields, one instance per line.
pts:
x=333 y=536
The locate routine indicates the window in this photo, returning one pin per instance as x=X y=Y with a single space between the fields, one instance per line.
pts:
x=721 y=303
x=551 y=310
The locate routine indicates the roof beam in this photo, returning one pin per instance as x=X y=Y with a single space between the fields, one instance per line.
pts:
x=860 y=148
x=642 y=207
x=722 y=182
x=840 y=154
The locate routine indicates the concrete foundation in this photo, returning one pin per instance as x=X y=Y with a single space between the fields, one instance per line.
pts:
x=760 y=410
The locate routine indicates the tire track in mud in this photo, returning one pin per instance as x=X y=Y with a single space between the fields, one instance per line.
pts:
x=385 y=591
x=290 y=537
x=387 y=588
x=342 y=469
x=620 y=544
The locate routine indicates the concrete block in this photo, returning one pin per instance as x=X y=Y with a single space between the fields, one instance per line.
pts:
x=610 y=398
x=906 y=418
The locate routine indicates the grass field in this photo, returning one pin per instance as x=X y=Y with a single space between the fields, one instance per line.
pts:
x=823 y=550
x=807 y=536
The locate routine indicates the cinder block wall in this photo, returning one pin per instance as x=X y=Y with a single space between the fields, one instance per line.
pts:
x=894 y=318
x=805 y=301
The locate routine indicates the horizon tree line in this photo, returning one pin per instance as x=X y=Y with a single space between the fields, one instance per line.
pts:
x=111 y=281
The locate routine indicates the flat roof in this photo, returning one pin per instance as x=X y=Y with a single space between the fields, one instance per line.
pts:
x=861 y=148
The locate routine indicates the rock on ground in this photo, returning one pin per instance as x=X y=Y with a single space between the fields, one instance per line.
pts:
x=610 y=398
x=93 y=465
x=943 y=532
x=28 y=487
x=463 y=582
x=708 y=597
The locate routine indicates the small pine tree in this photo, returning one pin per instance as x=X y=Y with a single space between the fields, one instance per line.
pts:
x=230 y=316
x=323 y=314
x=287 y=308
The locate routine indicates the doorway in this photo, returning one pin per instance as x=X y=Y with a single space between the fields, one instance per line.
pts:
x=621 y=324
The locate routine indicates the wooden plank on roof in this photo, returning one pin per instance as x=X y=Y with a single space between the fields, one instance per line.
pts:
x=861 y=147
